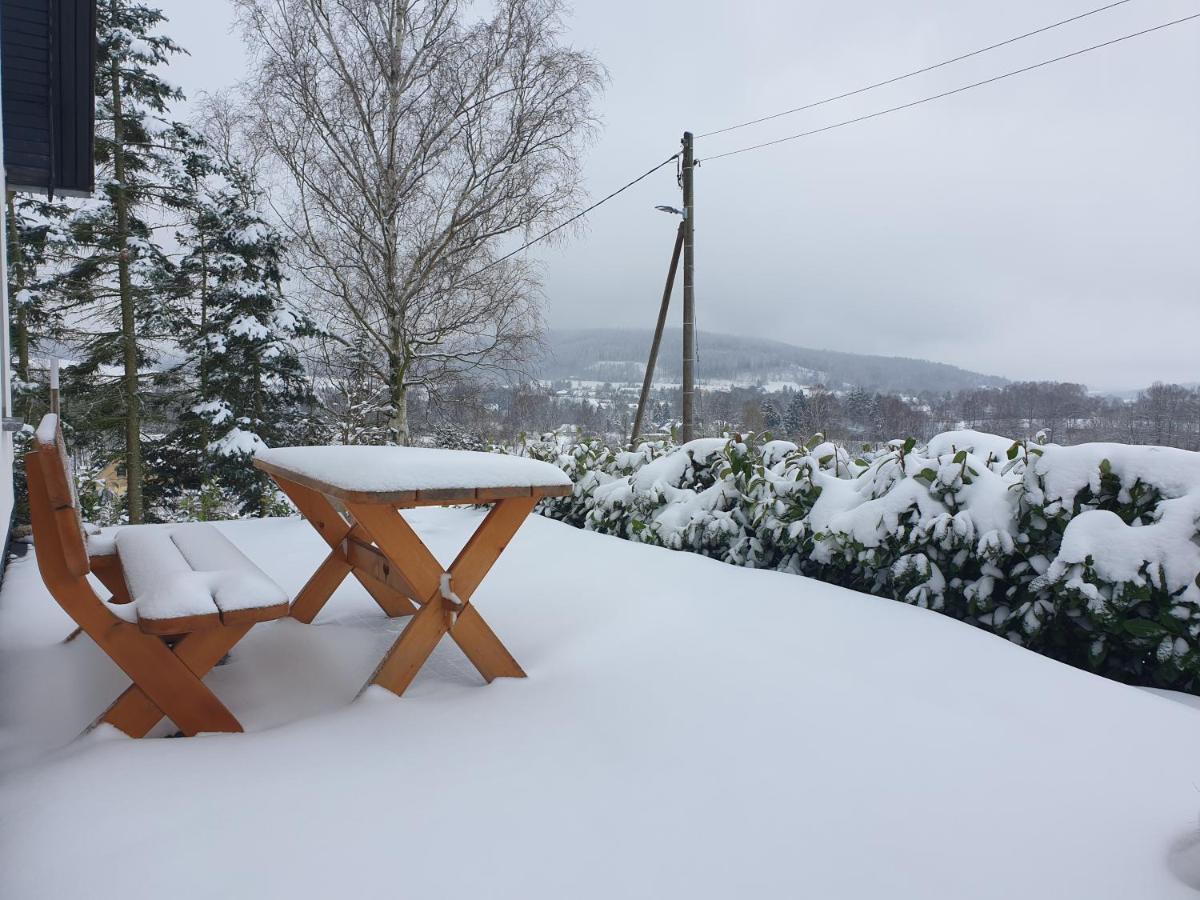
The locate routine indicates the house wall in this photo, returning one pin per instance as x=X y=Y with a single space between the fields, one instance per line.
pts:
x=6 y=438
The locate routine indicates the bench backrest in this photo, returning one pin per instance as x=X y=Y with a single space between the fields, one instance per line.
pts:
x=51 y=467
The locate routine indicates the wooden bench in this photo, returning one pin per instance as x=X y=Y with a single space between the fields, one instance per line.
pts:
x=182 y=596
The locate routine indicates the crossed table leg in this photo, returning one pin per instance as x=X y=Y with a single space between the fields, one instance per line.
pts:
x=399 y=567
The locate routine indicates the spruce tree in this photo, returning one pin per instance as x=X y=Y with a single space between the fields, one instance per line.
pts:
x=793 y=417
x=858 y=406
x=37 y=239
x=119 y=288
x=772 y=419
x=246 y=387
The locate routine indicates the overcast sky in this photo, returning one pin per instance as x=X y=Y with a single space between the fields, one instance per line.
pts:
x=1047 y=226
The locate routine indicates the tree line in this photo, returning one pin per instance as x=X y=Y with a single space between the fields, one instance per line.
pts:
x=478 y=413
x=1065 y=413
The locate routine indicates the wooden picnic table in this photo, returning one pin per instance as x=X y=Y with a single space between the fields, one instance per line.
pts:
x=373 y=542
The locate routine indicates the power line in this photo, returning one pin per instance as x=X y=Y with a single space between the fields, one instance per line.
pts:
x=574 y=218
x=878 y=84
x=884 y=112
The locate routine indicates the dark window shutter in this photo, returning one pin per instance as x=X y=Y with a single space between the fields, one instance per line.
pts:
x=47 y=67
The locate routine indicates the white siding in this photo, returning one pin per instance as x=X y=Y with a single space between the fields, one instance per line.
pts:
x=6 y=442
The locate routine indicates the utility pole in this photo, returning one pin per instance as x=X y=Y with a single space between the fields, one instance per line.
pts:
x=689 y=297
x=658 y=333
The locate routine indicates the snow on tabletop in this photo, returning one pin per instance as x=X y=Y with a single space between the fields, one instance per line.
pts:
x=382 y=469
x=846 y=747
x=190 y=570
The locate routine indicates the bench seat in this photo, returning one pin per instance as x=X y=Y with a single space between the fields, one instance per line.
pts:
x=183 y=578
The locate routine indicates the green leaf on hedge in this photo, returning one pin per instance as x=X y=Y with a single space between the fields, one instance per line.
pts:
x=1143 y=628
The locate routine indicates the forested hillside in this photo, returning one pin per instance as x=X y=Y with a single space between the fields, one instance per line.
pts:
x=618 y=354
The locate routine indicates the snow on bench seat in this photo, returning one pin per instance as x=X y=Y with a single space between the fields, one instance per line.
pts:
x=177 y=572
x=103 y=543
x=398 y=470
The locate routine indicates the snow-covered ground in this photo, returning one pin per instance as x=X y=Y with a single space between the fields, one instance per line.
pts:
x=688 y=729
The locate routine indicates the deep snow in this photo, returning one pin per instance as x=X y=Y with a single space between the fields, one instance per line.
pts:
x=689 y=729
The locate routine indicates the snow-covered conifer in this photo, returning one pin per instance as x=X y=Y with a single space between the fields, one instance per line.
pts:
x=793 y=417
x=118 y=287
x=245 y=385
x=772 y=418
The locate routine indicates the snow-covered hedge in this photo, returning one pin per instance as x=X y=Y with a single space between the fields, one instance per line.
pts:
x=1088 y=554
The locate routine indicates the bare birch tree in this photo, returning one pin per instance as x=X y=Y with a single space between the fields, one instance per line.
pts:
x=412 y=140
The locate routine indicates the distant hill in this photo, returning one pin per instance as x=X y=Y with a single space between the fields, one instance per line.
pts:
x=619 y=355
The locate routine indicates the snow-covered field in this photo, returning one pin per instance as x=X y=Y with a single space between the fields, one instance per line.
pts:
x=689 y=729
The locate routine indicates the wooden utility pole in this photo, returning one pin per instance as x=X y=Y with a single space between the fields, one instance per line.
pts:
x=689 y=298
x=658 y=333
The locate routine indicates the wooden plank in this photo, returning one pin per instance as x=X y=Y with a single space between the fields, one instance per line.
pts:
x=330 y=524
x=490 y=495
x=480 y=553
x=472 y=634
x=402 y=662
x=110 y=573
x=395 y=604
x=481 y=646
x=370 y=561
x=254 y=614
x=484 y=495
x=72 y=592
x=51 y=461
x=320 y=587
x=54 y=467
x=393 y=601
x=447 y=496
x=334 y=528
x=400 y=544
x=179 y=624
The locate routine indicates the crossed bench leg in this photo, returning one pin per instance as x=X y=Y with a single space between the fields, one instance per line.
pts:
x=399 y=567
x=169 y=683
